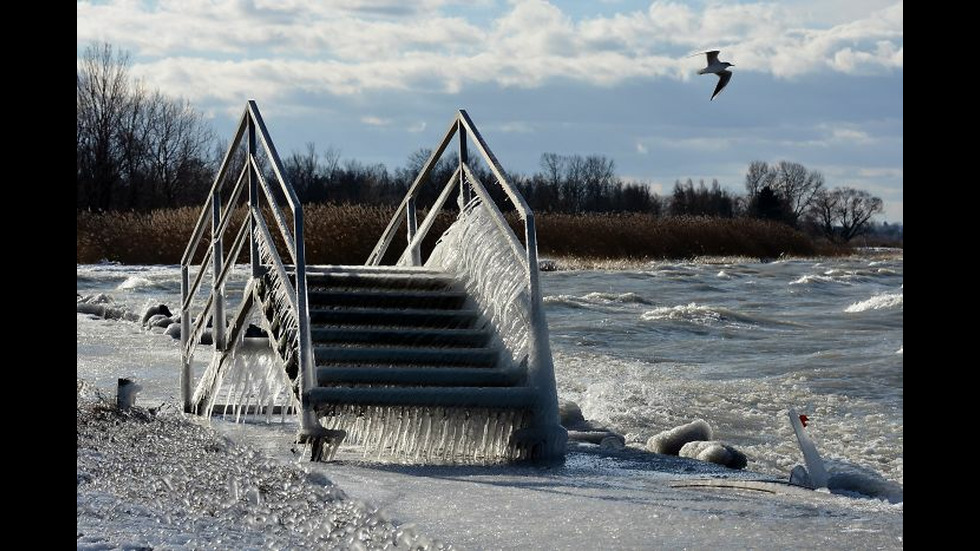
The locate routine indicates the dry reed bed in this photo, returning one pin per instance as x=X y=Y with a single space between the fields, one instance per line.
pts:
x=346 y=234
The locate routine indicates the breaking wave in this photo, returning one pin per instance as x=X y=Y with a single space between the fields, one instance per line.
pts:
x=699 y=314
x=595 y=299
x=135 y=282
x=877 y=302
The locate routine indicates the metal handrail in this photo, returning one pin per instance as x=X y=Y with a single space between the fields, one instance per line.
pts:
x=540 y=368
x=253 y=131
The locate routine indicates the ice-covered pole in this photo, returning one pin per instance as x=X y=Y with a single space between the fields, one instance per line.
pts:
x=126 y=390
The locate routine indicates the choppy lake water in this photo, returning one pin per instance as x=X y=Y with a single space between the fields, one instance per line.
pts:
x=645 y=349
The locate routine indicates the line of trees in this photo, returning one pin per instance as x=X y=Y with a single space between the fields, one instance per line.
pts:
x=576 y=184
x=791 y=193
x=138 y=149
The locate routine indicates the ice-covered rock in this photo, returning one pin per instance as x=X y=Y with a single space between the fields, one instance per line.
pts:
x=159 y=320
x=582 y=430
x=155 y=310
x=671 y=441
x=101 y=306
x=714 y=451
x=161 y=481
x=173 y=330
x=571 y=415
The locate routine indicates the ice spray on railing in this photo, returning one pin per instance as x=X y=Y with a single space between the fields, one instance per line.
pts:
x=492 y=273
x=257 y=383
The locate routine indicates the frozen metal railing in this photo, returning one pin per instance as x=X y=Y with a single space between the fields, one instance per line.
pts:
x=266 y=266
x=540 y=369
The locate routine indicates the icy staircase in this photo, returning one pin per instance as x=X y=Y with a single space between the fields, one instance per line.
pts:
x=405 y=346
x=441 y=357
x=404 y=333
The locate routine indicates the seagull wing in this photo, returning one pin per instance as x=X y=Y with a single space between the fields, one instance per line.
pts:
x=723 y=78
x=712 y=56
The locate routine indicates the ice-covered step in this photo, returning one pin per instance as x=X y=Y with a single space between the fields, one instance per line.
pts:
x=444 y=299
x=403 y=336
x=386 y=317
x=325 y=398
x=419 y=376
x=472 y=357
x=378 y=278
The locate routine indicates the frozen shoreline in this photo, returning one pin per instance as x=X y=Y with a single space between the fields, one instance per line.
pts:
x=147 y=480
x=167 y=480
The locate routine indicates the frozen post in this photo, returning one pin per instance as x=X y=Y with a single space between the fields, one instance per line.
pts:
x=126 y=390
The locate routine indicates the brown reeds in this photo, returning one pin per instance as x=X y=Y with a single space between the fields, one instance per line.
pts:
x=346 y=234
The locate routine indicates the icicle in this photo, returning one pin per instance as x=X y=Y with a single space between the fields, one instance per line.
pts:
x=492 y=273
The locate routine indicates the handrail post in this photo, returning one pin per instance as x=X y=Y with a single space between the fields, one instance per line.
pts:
x=217 y=257
x=185 y=331
x=253 y=202
x=309 y=425
x=465 y=193
x=413 y=228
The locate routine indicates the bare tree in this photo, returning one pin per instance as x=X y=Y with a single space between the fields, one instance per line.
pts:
x=598 y=178
x=797 y=185
x=792 y=183
x=303 y=172
x=179 y=140
x=758 y=176
x=135 y=148
x=552 y=164
x=101 y=93
x=844 y=213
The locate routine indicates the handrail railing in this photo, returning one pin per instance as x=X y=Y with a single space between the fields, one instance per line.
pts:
x=540 y=368
x=262 y=252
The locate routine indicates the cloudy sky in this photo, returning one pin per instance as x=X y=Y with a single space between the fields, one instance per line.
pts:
x=818 y=82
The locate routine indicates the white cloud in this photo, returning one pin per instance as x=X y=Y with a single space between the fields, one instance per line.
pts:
x=231 y=49
x=514 y=127
x=375 y=121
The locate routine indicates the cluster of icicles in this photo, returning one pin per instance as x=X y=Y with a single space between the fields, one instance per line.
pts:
x=477 y=252
x=413 y=434
x=258 y=382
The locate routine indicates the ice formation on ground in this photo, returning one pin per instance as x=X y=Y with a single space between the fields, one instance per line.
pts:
x=670 y=442
x=714 y=451
x=155 y=479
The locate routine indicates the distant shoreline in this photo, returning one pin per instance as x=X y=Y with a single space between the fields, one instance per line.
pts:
x=559 y=264
x=346 y=234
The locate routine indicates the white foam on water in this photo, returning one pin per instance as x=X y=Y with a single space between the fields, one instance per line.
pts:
x=699 y=314
x=640 y=399
x=134 y=282
x=877 y=302
x=595 y=299
x=818 y=279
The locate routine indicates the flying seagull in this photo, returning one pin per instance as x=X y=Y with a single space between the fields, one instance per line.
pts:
x=719 y=68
